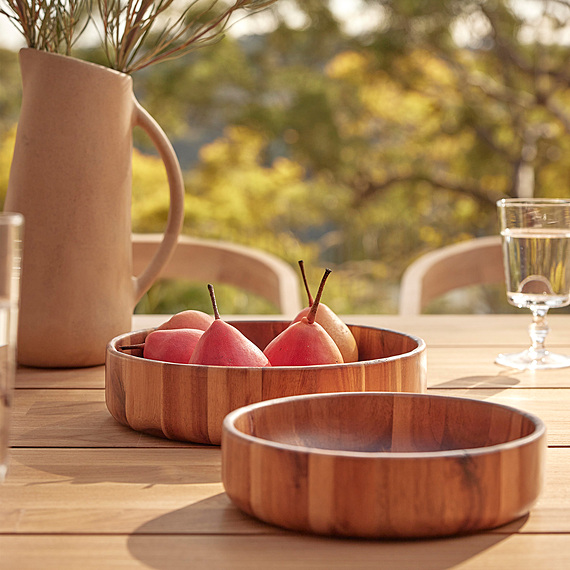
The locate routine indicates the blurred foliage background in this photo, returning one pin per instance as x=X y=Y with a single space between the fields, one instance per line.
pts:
x=354 y=134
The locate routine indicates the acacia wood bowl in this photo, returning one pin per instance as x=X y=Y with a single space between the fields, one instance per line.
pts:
x=383 y=465
x=188 y=402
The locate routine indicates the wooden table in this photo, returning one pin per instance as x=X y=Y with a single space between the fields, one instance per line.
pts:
x=85 y=492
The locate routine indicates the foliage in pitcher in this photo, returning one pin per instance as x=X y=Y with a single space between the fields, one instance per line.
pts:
x=48 y=25
x=135 y=33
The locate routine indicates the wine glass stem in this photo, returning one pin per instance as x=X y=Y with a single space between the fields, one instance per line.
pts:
x=538 y=330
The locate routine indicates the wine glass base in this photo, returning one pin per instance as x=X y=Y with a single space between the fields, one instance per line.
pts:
x=525 y=360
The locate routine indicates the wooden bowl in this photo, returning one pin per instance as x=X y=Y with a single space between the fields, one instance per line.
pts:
x=188 y=402
x=383 y=464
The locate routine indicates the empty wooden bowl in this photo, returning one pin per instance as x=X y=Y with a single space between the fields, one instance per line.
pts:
x=188 y=402
x=383 y=464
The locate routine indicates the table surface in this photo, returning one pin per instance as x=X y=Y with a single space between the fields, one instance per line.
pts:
x=83 y=491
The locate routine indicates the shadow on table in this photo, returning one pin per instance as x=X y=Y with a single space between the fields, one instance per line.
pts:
x=192 y=538
x=491 y=384
x=148 y=467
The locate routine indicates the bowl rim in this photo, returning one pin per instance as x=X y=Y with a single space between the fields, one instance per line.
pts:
x=229 y=428
x=421 y=347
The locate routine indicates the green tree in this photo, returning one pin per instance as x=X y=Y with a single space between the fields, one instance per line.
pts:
x=405 y=139
x=361 y=151
x=10 y=90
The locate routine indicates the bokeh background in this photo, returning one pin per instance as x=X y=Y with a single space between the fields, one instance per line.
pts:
x=351 y=134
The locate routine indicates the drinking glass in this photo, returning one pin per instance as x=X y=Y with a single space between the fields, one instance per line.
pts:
x=10 y=261
x=536 y=248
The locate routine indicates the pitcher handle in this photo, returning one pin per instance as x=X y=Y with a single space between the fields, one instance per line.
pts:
x=176 y=212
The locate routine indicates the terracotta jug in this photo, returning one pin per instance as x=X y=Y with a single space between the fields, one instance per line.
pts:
x=71 y=179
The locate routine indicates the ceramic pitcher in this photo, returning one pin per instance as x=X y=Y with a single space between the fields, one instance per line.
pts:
x=71 y=179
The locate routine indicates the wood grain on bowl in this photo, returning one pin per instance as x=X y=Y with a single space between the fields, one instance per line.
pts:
x=187 y=402
x=383 y=465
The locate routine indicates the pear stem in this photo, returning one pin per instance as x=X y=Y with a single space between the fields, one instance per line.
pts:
x=313 y=312
x=302 y=266
x=214 y=304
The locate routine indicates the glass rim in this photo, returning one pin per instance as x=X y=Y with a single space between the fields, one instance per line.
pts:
x=533 y=202
x=11 y=219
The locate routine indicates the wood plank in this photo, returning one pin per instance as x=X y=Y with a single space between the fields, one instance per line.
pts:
x=460 y=367
x=160 y=491
x=72 y=418
x=86 y=378
x=283 y=552
x=474 y=367
x=79 y=418
x=102 y=491
x=496 y=331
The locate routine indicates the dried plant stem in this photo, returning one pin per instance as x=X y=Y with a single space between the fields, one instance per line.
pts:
x=135 y=33
x=50 y=25
x=132 y=41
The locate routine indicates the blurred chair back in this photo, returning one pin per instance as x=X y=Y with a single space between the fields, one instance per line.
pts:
x=212 y=261
x=474 y=262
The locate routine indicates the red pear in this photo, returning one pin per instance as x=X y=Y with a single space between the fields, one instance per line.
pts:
x=305 y=342
x=330 y=321
x=175 y=345
x=223 y=345
x=190 y=319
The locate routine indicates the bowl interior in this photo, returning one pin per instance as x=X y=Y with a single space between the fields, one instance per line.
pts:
x=384 y=422
x=373 y=343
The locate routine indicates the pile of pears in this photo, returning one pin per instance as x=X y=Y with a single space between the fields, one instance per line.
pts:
x=316 y=336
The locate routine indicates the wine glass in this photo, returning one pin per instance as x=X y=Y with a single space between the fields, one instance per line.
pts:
x=536 y=249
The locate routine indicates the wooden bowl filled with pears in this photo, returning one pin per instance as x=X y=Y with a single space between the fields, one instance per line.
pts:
x=180 y=380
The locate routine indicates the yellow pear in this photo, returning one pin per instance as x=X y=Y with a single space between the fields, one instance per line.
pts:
x=331 y=322
x=305 y=342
